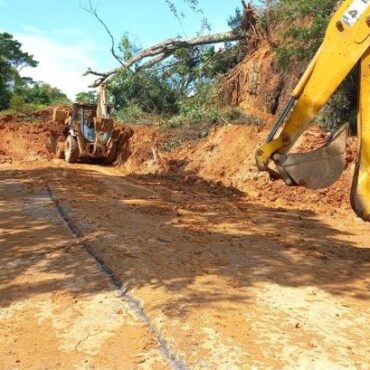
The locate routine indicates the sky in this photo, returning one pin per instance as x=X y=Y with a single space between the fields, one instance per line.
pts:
x=66 y=40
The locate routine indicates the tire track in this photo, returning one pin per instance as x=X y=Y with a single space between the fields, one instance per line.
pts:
x=174 y=360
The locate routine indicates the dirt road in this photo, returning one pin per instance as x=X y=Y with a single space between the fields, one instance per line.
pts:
x=105 y=271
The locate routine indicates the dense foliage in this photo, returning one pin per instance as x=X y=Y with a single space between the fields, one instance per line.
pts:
x=183 y=89
x=35 y=95
x=12 y=60
x=306 y=22
x=86 y=97
x=21 y=93
x=173 y=87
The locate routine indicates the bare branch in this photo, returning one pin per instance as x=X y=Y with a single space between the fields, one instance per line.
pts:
x=94 y=73
x=152 y=62
x=165 y=49
x=94 y=11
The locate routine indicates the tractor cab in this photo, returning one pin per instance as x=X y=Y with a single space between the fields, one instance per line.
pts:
x=83 y=121
x=90 y=131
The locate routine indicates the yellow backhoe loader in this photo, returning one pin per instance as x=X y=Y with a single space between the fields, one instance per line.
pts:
x=90 y=132
x=346 y=44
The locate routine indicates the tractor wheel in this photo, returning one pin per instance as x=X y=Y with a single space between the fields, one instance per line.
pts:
x=59 y=152
x=112 y=154
x=71 y=151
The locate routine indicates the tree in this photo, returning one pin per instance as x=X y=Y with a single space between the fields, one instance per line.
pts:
x=145 y=90
x=87 y=97
x=34 y=95
x=158 y=78
x=43 y=94
x=177 y=76
x=12 y=61
x=149 y=57
x=163 y=88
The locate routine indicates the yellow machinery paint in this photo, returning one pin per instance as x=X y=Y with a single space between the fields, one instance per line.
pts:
x=360 y=196
x=346 y=43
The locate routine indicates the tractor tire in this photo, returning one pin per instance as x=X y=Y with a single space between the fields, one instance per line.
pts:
x=59 y=152
x=71 y=151
x=111 y=157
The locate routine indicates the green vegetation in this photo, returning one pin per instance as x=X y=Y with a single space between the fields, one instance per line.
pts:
x=12 y=60
x=21 y=94
x=182 y=90
x=86 y=97
x=307 y=20
x=36 y=95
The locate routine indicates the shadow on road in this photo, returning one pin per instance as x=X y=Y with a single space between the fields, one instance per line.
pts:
x=174 y=236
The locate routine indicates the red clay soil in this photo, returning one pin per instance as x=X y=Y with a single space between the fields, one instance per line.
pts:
x=258 y=85
x=229 y=269
x=34 y=136
x=28 y=137
x=225 y=157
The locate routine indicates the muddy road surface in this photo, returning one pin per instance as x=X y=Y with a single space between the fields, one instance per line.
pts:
x=106 y=271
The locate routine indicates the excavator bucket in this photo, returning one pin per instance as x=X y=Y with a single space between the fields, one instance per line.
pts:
x=317 y=169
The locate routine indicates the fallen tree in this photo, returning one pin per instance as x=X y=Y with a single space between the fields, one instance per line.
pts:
x=149 y=57
x=159 y=52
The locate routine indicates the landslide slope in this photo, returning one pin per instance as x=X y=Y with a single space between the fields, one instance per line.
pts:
x=226 y=157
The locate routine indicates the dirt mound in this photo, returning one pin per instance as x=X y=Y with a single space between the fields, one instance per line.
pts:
x=28 y=136
x=259 y=87
x=221 y=155
x=227 y=157
x=257 y=84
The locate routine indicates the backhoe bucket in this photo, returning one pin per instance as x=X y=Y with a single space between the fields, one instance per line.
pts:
x=317 y=169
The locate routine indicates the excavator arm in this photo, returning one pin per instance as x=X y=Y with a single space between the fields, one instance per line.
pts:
x=346 y=44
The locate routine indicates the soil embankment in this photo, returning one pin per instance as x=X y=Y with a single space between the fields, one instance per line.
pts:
x=202 y=262
x=224 y=156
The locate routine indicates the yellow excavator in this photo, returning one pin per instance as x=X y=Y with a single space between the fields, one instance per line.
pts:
x=346 y=44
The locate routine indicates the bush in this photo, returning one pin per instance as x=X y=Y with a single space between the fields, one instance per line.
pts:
x=302 y=38
x=173 y=122
x=211 y=116
x=299 y=42
x=144 y=91
x=42 y=94
x=193 y=117
x=35 y=96
x=238 y=117
x=133 y=114
x=18 y=103
x=196 y=109
x=233 y=114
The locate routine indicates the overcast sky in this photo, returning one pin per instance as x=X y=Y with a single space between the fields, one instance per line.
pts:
x=66 y=40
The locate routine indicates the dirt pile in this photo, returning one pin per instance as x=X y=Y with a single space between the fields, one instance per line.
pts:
x=227 y=157
x=257 y=85
x=28 y=136
x=224 y=156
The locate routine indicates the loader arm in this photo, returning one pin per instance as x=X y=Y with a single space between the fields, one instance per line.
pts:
x=101 y=111
x=345 y=43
